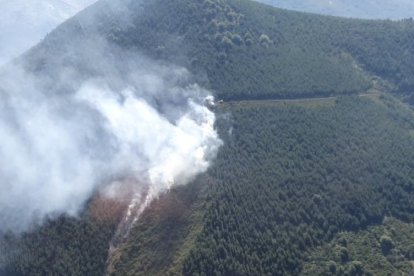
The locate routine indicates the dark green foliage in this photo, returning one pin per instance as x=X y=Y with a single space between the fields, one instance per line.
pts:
x=332 y=267
x=291 y=176
x=64 y=246
x=383 y=48
x=365 y=250
x=244 y=50
x=343 y=254
x=355 y=269
x=386 y=244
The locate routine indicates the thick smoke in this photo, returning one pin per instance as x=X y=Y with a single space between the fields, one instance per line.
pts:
x=64 y=139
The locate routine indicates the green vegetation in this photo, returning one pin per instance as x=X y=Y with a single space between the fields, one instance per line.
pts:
x=291 y=176
x=63 y=246
x=366 y=247
x=245 y=50
x=318 y=168
x=299 y=186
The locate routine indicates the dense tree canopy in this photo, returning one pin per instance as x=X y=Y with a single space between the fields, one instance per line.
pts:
x=291 y=176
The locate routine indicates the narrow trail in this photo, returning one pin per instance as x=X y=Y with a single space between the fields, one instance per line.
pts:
x=298 y=100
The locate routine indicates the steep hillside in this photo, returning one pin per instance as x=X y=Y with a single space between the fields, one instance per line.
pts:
x=386 y=249
x=242 y=49
x=315 y=171
x=292 y=174
x=66 y=245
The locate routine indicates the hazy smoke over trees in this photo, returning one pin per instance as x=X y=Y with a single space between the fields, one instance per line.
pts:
x=66 y=135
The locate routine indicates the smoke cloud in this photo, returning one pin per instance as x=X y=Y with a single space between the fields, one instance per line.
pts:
x=35 y=20
x=67 y=137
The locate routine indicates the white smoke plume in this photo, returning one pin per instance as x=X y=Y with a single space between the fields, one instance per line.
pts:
x=148 y=122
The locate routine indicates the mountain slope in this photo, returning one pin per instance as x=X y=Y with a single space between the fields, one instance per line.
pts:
x=316 y=170
x=242 y=49
x=291 y=174
x=290 y=177
x=389 y=251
